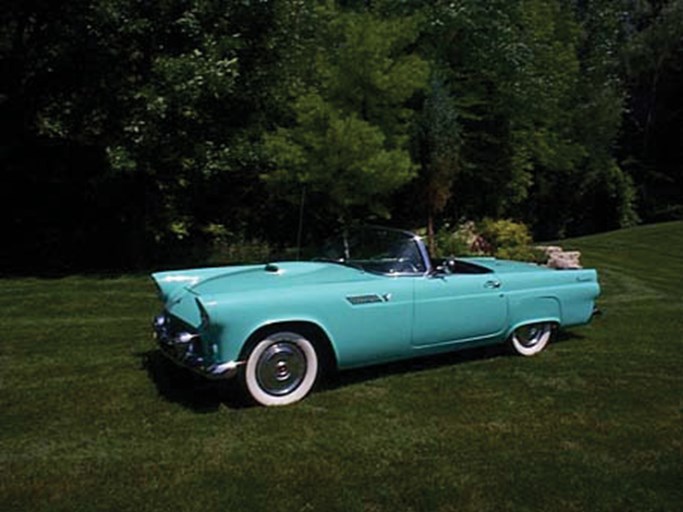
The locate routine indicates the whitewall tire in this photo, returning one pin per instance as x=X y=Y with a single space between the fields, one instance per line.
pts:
x=281 y=369
x=529 y=340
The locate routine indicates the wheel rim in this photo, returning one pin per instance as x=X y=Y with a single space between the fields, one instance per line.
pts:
x=281 y=368
x=529 y=336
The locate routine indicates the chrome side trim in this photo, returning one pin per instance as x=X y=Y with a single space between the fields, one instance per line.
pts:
x=218 y=371
x=359 y=300
x=224 y=370
x=422 y=247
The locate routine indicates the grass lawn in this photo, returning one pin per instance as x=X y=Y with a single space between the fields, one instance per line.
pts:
x=92 y=418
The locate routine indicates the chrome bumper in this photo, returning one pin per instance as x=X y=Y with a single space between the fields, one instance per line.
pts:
x=182 y=348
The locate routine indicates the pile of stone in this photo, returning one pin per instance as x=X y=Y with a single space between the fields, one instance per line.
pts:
x=561 y=259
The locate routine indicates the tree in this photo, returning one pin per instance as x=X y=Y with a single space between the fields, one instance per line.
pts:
x=349 y=130
x=538 y=105
x=168 y=98
x=438 y=145
x=651 y=145
x=129 y=128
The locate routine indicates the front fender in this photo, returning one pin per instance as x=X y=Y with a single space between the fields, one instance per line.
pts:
x=235 y=320
x=287 y=322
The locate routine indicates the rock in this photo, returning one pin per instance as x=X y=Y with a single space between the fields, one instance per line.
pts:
x=561 y=259
x=550 y=249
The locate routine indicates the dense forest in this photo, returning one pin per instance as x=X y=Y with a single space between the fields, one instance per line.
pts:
x=145 y=132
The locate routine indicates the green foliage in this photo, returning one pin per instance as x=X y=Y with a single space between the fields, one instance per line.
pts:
x=130 y=126
x=450 y=242
x=438 y=143
x=539 y=102
x=650 y=149
x=348 y=136
x=340 y=156
x=593 y=123
x=509 y=240
x=502 y=238
x=230 y=248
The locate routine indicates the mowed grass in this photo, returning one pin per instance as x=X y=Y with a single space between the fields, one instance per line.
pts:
x=92 y=418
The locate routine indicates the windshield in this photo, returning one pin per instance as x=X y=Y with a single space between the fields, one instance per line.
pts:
x=381 y=250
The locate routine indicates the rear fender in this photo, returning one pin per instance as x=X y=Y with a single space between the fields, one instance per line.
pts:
x=541 y=320
x=533 y=310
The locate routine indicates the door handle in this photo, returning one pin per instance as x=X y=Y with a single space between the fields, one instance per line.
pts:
x=492 y=284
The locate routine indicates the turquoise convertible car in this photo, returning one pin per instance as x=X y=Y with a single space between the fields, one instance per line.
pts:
x=373 y=297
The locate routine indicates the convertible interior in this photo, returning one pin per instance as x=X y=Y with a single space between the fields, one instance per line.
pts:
x=392 y=252
x=454 y=266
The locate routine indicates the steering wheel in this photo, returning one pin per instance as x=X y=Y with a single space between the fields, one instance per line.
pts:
x=404 y=266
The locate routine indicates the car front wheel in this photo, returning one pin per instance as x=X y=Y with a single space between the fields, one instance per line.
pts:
x=529 y=340
x=281 y=369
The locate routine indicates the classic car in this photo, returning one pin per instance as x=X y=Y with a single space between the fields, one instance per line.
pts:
x=375 y=296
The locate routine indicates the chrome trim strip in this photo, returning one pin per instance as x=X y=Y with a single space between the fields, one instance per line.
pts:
x=422 y=247
x=225 y=370
x=359 y=300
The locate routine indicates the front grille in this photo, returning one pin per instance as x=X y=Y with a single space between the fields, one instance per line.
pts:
x=169 y=330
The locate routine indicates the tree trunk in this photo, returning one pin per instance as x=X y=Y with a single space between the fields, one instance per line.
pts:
x=430 y=230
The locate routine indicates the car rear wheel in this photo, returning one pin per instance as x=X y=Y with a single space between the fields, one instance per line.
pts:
x=281 y=369
x=531 y=339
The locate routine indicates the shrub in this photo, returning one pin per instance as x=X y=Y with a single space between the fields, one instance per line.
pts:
x=502 y=238
x=231 y=248
x=465 y=240
x=510 y=240
x=449 y=242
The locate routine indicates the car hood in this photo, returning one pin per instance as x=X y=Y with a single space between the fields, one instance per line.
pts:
x=213 y=281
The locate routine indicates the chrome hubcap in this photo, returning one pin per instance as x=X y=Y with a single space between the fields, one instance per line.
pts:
x=281 y=368
x=530 y=335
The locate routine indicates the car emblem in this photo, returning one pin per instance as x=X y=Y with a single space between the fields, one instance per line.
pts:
x=359 y=300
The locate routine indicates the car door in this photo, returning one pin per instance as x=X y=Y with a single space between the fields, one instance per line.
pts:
x=371 y=321
x=458 y=307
